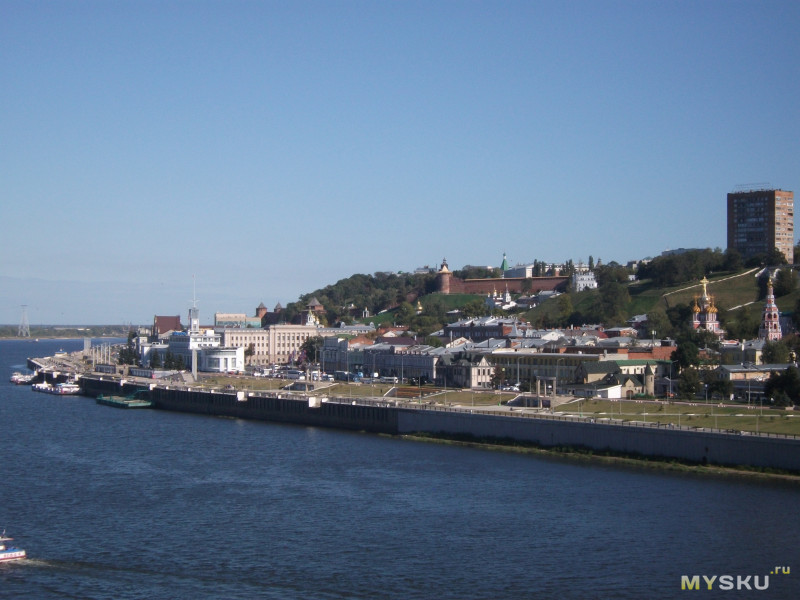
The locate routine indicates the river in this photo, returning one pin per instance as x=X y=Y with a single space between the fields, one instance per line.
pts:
x=130 y=504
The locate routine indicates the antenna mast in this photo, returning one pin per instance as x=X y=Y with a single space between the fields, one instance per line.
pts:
x=24 y=329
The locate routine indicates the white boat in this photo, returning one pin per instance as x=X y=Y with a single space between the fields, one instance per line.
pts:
x=67 y=388
x=22 y=378
x=9 y=552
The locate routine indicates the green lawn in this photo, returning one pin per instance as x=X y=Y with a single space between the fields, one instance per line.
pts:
x=698 y=414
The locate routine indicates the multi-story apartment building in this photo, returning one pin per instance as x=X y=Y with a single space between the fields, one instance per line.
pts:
x=761 y=220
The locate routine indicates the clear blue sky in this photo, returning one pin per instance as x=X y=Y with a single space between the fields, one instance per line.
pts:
x=272 y=148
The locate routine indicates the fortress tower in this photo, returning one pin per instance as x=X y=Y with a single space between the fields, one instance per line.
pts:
x=443 y=278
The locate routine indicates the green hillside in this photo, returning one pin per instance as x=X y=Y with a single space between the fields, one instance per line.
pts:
x=732 y=292
x=395 y=298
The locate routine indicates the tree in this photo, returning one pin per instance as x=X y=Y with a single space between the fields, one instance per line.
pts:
x=744 y=325
x=785 y=282
x=776 y=353
x=612 y=302
x=312 y=347
x=715 y=385
x=733 y=260
x=474 y=308
x=658 y=321
x=498 y=376
x=591 y=262
x=404 y=313
x=612 y=272
x=433 y=341
x=796 y=314
x=776 y=257
x=686 y=354
x=689 y=383
x=155 y=359
x=127 y=354
x=249 y=351
x=786 y=383
x=565 y=308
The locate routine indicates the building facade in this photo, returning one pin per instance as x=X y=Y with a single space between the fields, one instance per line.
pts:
x=760 y=221
x=284 y=342
x=583 y=281
x=254 y=341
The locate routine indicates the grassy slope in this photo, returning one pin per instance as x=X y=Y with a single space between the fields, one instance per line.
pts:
x=728 y=290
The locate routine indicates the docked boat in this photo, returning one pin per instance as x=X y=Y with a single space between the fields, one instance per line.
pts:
x=9 y=552
x=22 y=378
x=67 y=388
x=43 y=386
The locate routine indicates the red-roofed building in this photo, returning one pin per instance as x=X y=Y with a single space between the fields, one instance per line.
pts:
x=165 y=324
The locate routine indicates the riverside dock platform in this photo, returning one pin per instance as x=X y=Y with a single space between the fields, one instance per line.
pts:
x=123 y=402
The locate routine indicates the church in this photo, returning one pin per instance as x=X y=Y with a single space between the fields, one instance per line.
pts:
x=704 y=313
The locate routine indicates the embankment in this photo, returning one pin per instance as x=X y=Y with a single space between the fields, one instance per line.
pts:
x=399 y=418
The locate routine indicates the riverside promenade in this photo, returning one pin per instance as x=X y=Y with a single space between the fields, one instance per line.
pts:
x=496 y=423
x=487 y=423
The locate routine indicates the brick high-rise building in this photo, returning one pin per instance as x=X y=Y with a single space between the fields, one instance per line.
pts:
x=760 y=220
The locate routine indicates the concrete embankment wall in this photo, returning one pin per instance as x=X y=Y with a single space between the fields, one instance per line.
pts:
x=695 y=446
x=273 y=407
x=682 y=444
x=268 y=406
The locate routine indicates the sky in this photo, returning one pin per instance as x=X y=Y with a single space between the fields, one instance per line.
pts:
x=231 y=152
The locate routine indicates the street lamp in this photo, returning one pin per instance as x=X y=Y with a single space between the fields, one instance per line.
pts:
x=747 y=375
x=670 y=376
x=558 y=372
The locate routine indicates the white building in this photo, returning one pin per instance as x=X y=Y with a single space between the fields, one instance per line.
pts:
x=583 y=281
x=205 y=344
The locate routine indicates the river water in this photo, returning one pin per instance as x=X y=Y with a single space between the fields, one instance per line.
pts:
x=130 y=504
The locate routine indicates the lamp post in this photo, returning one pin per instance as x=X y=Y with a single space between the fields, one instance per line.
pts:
x=749 y=392
x=670 y=376
x=558 y=372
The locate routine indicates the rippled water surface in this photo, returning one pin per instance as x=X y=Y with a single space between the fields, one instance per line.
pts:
x=130 y=504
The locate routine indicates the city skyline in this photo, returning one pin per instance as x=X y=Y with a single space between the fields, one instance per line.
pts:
x=269 y=150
